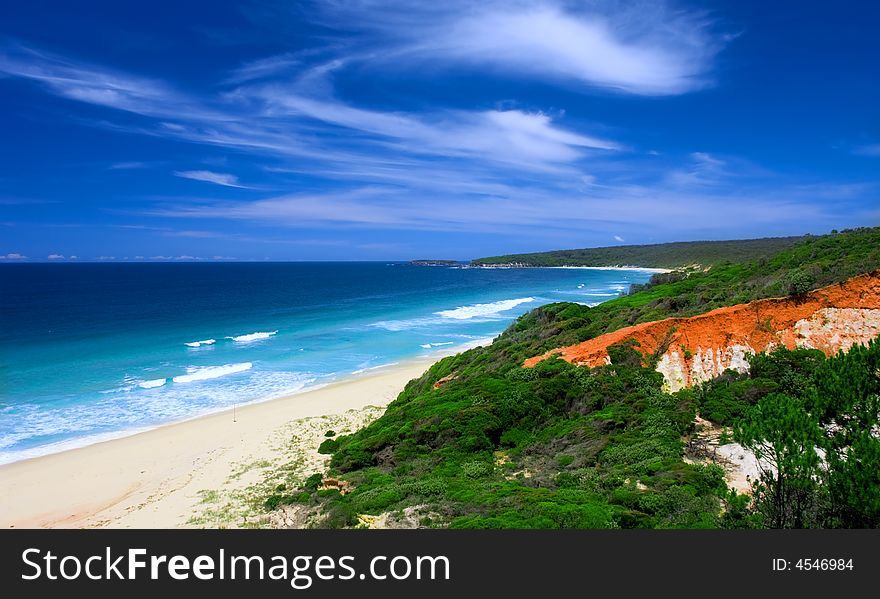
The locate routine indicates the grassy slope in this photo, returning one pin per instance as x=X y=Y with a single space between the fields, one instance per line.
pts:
x=665 y=255
x=559 y=446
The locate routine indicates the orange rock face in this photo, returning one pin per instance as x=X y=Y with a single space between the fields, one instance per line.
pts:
x=702 y=347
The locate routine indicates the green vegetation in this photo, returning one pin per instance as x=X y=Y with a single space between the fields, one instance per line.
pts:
x=554 y=446
x=435 y=263
x=558 y=446
x=663 y=255
x=791 y=409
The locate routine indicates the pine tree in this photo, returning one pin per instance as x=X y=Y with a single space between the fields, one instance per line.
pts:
x=784 y=437
x=847 y=403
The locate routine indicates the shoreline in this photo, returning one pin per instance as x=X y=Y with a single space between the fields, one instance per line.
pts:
x=160 y=477
x=620 y=268
x=624 y=268
x=105 y=437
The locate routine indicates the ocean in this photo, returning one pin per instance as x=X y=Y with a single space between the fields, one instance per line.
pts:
x=90 y=352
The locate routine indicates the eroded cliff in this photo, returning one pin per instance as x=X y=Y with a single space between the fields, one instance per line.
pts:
x=695 y=349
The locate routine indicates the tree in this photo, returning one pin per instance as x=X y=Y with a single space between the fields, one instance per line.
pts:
x=798 y=282
x=784 y=437
x=847 y=404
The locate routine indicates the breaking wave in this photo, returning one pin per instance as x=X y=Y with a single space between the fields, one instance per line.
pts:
x=211 y=372
x=253 y=336
x=152 y=383
x=477 y=310
x=201 y=343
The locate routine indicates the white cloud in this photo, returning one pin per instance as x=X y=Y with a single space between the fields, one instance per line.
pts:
x=301 y=119
x=479 y=169
x=72 y=257
x=638 y=48
x=704 y=170
x=529 y=139
x=123 y=166
x=661 y=208
x=263 y=67
x=707 y=160
x=619 y=238
x=13 y=256
x=55 y=257
x=99 y=85
x=224 y=179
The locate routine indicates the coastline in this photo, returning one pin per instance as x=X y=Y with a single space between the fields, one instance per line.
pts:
x=169 y=476
x=620 y=268
x=627 y=268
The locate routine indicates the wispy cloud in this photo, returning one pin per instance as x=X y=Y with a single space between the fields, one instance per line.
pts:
x=99 y=85
x=867 y=150
x=528 y=139
x=659 y=208
x=646 y=48
x=55 y=257
x=701 y=170
x=124 y=166
x=480 y=163
x=13 y=256
x=281 y=120
x=223 y=179
x=263 y=68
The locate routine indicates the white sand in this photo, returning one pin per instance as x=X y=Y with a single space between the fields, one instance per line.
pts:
x=623 y=268
x=197 y=472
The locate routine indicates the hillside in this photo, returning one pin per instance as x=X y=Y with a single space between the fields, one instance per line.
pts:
x=693 y=350
x=663 y=255
x=480 y=441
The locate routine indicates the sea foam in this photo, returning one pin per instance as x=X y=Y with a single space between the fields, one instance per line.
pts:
x=477 y=310
x=473 y=312
x=430 y=345
x=152 y=383
x=253 y=336
x=211 y=372
x=201 y=343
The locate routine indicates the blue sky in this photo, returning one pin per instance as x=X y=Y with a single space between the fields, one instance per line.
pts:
x=400 y=129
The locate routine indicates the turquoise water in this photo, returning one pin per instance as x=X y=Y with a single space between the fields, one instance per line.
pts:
x=93 y=351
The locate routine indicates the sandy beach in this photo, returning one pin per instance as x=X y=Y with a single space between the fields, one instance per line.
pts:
x=621 y=268
x=211 y=471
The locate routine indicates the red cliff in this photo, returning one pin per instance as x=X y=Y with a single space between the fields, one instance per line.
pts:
x=701 y=347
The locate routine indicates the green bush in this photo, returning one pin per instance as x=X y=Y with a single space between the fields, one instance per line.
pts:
x=328 y=446
x=475 y=469
x=798 y=282
x=313 y=482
